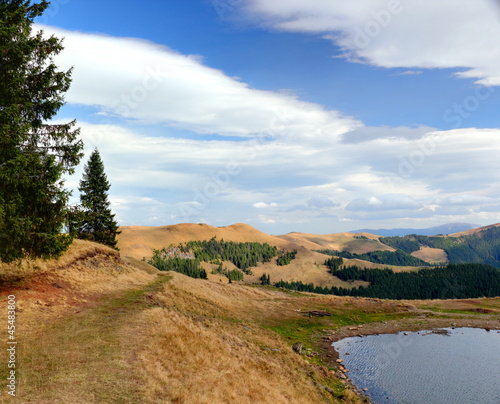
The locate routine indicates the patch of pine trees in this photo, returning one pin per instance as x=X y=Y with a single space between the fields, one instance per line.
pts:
x=242 y=255
x=285 y=257
x=163 y=261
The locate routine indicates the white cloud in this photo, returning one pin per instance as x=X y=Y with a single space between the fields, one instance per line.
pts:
x=263 y=205
x=398 y=33
x=266 y=220
x=303 y=182
x=410 y=73
x=140 y=80
x=333 y=161
x=384 y=202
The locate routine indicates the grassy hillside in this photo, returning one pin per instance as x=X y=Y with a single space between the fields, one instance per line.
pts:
x=350 y=242
x=95 y=327
x=140 y=241
x=308 y=265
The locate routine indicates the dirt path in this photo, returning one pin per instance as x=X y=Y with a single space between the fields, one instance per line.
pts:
x=84 y=357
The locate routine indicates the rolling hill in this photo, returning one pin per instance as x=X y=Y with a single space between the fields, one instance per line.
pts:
x=139 y=242
x=351 y=242
x=97 y=327
x=401 y=254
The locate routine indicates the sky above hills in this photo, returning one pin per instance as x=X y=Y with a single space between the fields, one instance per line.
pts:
x=290 y=115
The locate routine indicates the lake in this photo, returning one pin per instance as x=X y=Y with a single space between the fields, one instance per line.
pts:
x=453 y=366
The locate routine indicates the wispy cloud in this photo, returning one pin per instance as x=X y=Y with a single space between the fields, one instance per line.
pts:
x=156 y=180
x=136 y=79
x=409 y=73
x=398 y=34
x=312 y=162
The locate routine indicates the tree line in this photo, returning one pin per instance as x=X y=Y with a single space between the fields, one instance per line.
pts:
x=454 y=281
x=398 y=257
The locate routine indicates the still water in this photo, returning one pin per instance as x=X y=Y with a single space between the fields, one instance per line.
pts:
x=459 y=366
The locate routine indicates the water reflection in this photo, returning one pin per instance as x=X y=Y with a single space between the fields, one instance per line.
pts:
x=448 y=367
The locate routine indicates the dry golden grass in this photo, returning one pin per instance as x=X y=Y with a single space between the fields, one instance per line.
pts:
x=431 y=255
x=205 y=345
x=86 y=271
x=91 y=330
x=139 y=241
x=339 y=241
x=61 y=340
x=196 y=360
x=306 y=267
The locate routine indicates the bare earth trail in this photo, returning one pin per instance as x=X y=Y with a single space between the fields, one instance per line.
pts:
x=87 y=356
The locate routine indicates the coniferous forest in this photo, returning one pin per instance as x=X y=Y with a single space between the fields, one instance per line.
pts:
x=398 y=257
x=242 y=255
x=483 y=247
x=285 y=257
x=454 y=281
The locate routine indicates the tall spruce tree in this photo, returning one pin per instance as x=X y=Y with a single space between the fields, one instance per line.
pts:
x=33 y=154
x=98 y=222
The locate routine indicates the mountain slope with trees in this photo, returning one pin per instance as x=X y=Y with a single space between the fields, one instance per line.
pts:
x=482 y=246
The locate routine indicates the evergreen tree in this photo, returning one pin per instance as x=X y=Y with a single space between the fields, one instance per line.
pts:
x=98 y=222
x=265 y=279
x=33 y=154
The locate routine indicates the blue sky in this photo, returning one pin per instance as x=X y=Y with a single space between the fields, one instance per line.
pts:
x=309 y=115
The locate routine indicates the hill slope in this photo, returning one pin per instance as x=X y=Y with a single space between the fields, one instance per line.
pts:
x=139 y=241
x=475 y=230
x=97 y=328
x=480 y=245
x=354 y=243
x=94 y=327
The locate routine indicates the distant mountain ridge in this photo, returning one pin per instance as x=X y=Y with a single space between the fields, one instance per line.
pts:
x=444 y=229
